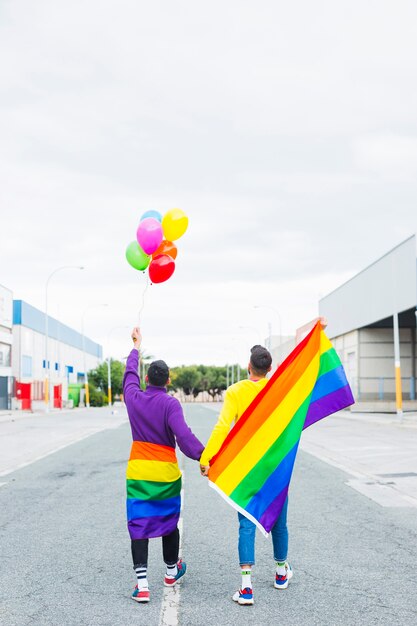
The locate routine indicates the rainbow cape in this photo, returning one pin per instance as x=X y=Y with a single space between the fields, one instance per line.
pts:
x=153 y=485
x=253 y=468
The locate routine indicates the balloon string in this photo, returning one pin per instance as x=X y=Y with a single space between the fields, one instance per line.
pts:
x=143 y=300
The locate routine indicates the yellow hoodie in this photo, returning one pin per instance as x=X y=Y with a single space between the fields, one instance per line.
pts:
x=236 y=400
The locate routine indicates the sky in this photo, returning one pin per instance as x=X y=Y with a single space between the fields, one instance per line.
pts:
x=287 y=132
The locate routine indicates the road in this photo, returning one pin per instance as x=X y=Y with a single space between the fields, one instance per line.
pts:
x=65 y=549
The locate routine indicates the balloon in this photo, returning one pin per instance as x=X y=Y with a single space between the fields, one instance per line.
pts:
x=136 y=256
x=149 y=234
x=174 y=223
x=166 y=247
x=155 y=214
x=161 y=268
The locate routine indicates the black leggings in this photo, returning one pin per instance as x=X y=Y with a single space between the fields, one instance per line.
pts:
x=170 y=548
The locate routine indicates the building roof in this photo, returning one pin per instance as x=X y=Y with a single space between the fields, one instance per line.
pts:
x=26 y=315
x=387 y=286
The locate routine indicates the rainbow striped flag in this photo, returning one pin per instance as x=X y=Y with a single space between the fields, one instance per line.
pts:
x=253 y=468
x=153 y=485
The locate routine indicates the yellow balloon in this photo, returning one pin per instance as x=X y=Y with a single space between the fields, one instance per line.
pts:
x=174 y=224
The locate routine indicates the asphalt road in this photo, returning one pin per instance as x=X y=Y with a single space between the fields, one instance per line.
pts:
x=65 y=549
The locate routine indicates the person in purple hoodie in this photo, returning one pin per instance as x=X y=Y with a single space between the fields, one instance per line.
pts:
x=153 y=476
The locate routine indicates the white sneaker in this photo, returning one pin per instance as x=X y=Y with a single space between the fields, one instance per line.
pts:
x=281 y=582
x=243 y=596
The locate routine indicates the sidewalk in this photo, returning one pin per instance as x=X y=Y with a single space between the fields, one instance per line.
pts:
x=26 y=437
x=11 y=416
x=378 y=451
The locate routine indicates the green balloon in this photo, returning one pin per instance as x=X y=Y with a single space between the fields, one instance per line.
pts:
x=136 y=257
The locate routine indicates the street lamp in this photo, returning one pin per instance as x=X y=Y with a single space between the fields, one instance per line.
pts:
x=58 y=269
x=87 y=391
x=271 y=308
x=252 y=329
x=108 y=362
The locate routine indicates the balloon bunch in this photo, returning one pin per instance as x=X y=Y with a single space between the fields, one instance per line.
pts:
x=154 y=248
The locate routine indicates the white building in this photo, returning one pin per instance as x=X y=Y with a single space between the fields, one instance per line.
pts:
x=69 y=355
x=6 y=342
x=372 y=325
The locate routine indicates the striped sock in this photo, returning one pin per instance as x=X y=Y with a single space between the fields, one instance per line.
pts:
x=172 y=570
x=246 y=578
x=281 y=568
x=141 y=575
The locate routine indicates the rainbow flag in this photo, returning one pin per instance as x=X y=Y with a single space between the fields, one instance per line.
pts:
x=153 y=485
x=253 y=468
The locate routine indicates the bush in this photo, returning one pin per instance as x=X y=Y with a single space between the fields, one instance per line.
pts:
x=97 y=397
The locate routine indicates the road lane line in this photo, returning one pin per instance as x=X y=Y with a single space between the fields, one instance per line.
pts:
x=171 y=595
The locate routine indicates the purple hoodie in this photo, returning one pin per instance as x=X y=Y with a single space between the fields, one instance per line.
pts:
x=155 y=416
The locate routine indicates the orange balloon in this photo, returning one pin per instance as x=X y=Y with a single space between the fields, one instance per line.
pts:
x=166 y=247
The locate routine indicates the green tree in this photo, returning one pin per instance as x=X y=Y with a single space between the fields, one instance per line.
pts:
x=187 y=378
x=97 y=397
x=213 y=379
x=99 y=376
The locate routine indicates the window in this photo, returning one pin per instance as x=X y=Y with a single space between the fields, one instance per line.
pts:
x=26 y=365
x=5 y=354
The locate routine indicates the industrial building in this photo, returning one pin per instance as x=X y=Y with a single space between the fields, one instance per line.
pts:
x=23 y=347
x=372 y=325
x=6 y=342
x=69 y=356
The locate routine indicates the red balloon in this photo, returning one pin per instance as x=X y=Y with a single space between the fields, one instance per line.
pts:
x=161 y=268
x=166 y=247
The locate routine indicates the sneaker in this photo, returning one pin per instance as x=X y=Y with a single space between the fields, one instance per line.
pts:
x=171 y=581
x=281 y=582
x=141 y=595
x=243 y=596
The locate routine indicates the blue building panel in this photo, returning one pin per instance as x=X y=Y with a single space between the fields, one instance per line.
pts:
x=26 y=315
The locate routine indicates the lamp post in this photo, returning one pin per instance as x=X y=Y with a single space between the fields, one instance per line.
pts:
x=109 y=394
x=271 y=308
x=87 y=391
x=252 y=329
x=58 y=269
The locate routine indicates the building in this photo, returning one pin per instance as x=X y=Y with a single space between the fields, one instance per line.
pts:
x=69 y=355
x=372 y=324
x=6 y=342
x=280 y=347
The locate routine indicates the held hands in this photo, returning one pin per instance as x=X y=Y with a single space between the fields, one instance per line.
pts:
x=204 y=469
x=136 y=337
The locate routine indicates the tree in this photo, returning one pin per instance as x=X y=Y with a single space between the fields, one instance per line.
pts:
x=188 y=378
x=213 y=379
x=99 y=376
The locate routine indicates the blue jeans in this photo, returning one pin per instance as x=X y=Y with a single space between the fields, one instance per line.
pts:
x=279 y=532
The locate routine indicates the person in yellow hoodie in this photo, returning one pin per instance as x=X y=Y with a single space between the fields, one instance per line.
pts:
x=237 y=398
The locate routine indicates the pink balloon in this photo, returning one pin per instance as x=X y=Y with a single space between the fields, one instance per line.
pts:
x=149 y=235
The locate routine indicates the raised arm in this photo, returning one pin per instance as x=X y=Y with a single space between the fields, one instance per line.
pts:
x=131 y=380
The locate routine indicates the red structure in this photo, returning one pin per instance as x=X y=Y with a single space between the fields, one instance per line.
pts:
x=24 y=393
x=57 y=396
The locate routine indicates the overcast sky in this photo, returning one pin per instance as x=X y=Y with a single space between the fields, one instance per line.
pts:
x=287 y=131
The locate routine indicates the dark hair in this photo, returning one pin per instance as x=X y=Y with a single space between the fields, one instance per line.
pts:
x=158 y=373
x=260 y=360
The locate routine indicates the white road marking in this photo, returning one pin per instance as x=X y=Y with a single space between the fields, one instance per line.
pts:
x=1 y=484
x=383 y=492
x=171 y=595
